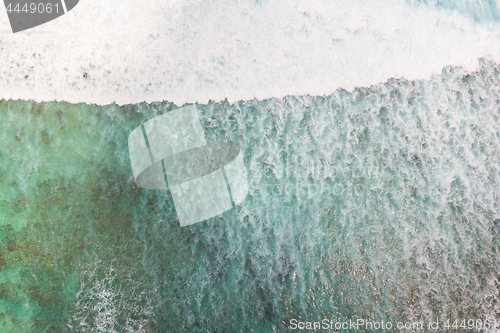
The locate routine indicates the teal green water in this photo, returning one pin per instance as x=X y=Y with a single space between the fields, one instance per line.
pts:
x=482 y=11
x=380 y=204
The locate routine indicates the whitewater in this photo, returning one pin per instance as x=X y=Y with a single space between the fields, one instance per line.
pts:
x=195 y=51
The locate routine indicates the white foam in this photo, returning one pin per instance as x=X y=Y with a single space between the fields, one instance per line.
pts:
x=194 y=51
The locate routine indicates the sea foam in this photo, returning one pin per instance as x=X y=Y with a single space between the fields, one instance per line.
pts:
x=196 y=51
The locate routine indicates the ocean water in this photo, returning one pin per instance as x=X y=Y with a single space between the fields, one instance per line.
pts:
x=371 y=137
x=382 y=203
x=482 y=11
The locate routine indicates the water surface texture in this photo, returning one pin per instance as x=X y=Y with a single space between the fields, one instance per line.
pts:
x=381 y=203
x=194 y=51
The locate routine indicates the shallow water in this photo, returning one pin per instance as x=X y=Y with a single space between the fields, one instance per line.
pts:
x=379 y=204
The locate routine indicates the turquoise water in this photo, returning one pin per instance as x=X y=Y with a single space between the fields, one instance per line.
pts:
x=379 y=204
x=482 y=11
